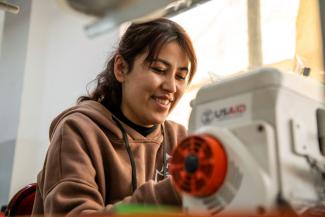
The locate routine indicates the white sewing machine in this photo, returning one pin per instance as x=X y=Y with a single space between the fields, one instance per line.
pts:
x=255 y=140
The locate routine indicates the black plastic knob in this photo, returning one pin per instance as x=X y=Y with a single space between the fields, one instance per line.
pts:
x=191 y=163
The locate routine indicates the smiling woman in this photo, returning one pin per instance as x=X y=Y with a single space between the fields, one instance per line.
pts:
x=150 y=91
x=113 y=147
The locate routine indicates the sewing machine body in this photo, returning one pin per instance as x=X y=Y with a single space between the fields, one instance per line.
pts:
x=266 y=121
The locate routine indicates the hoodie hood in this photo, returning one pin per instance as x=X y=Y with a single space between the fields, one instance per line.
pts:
x=103 y=118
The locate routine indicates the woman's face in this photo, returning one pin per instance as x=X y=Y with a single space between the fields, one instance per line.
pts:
x=149 y=92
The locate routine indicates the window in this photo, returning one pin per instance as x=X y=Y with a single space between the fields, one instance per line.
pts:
x=219 y=30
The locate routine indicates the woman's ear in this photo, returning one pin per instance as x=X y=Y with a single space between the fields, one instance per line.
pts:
x=120 y=68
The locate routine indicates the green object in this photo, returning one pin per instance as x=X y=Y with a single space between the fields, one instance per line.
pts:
x=145 y=209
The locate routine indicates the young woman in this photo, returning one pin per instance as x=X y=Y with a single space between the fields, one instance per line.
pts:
x=113 y=147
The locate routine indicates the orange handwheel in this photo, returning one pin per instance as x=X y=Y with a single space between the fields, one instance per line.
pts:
x=199 y=165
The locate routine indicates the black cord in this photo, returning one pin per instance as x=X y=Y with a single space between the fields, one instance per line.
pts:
x=164 y=153
x=131 y=157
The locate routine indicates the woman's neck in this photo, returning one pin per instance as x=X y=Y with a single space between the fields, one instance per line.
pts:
x=140 y=129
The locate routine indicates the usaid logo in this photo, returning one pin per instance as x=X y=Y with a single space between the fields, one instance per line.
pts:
x=223 y=113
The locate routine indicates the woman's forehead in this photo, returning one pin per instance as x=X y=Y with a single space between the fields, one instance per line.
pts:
x=169 y=52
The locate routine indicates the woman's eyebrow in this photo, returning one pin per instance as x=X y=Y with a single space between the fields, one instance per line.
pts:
x=165 y=62
x=185 y=68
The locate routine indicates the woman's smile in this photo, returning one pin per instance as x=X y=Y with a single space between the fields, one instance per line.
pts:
x=163 y=102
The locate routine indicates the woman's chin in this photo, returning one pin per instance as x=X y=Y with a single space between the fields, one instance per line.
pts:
x=156 y=119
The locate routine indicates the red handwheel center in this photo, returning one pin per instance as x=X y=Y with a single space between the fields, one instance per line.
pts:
x=199 y=165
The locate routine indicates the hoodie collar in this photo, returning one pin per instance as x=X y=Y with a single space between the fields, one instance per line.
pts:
x=103 y=117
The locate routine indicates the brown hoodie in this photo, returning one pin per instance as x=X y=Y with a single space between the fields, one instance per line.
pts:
x=87 y=168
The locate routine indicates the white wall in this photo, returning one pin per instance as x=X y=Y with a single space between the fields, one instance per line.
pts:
x=60 y=62
x=2 y=20
x=14 y=39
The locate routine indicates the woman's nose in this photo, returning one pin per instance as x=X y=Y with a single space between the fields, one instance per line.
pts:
x=170 y=84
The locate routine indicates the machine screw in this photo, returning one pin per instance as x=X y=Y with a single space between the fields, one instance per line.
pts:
x=260 y=128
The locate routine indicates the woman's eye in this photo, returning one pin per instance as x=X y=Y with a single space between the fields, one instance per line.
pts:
x=181 y=77
x=159 y=70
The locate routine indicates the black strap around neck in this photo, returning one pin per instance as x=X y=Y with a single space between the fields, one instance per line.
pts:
x=144 y=131
x=131 y=157
x=164 y=153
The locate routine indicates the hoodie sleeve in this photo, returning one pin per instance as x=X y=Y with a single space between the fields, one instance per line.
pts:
x=162 y=193
x=70 y=184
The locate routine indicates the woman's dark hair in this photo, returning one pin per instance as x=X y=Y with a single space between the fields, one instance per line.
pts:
x=139 y=38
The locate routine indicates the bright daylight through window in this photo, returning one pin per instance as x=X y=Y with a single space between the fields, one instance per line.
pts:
x=220 y=38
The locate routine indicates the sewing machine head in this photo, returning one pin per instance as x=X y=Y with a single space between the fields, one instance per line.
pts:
x=255 y=139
